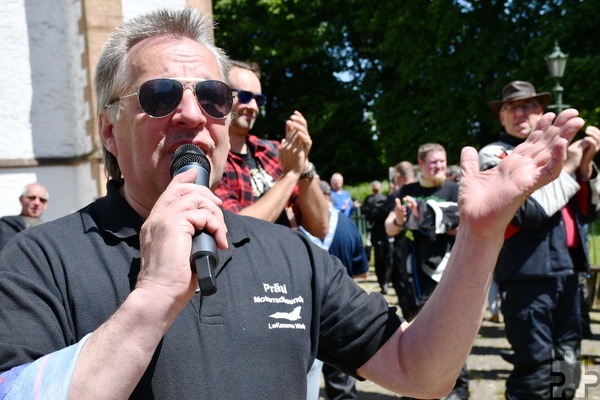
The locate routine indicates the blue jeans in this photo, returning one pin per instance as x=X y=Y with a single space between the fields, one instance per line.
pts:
x=313 y=380
x=494 y=299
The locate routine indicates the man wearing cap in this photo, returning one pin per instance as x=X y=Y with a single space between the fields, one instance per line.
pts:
x=543 y=243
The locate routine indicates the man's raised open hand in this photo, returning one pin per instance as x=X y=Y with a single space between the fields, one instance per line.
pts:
x=488 y=200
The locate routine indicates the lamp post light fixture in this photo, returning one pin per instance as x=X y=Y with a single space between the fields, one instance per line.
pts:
x=557 y=61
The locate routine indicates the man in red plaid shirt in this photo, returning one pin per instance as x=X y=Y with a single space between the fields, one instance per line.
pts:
x=264 y=178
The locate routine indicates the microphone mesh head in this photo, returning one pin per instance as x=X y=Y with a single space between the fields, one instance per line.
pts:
x=188 y=154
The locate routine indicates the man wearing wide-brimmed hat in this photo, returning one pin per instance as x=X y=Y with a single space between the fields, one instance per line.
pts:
x=520 y=108
x=543 y=249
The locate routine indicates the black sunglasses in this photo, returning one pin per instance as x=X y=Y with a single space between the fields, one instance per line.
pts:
x=246 y=97
x=160 y=97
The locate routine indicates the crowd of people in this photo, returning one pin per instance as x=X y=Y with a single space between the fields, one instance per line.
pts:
x=112 y=290
x=542 y=269
x=539 y=284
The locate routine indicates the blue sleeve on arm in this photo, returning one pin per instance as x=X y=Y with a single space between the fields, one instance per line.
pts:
x=46 y=378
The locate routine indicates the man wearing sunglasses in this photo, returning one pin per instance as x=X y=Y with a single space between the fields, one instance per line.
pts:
x=263 y=178
x=103 y=304
x=34 y=201
x=545 y=247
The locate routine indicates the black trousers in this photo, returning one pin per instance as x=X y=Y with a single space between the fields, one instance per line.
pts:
x=543 y=326
x=382 y=260
x=402 y=279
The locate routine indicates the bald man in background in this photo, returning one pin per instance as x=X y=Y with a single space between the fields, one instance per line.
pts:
x=34 y=201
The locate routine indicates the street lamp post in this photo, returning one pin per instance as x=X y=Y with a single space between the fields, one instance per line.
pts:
x=557 y=61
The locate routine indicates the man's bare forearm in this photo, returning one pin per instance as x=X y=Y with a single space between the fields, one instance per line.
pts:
x=313 y=207
x=271 y=204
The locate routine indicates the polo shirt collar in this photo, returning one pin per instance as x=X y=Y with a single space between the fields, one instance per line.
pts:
x=115 y=215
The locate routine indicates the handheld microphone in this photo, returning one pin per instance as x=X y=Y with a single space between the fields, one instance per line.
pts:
x=203 y=257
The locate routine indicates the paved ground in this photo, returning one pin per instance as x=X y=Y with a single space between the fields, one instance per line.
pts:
x=487 y=369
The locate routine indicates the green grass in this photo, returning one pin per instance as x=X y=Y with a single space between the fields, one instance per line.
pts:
x=362 y=190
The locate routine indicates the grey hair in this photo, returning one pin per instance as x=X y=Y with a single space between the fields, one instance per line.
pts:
x=25 y=191
x=113 y=73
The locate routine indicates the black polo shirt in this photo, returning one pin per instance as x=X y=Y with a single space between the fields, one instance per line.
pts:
x=280 y=302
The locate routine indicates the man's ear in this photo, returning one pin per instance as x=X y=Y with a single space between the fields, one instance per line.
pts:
x=106 y=132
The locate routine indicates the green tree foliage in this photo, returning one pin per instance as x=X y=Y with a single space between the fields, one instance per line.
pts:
x=377 y=79
x=290 y=40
